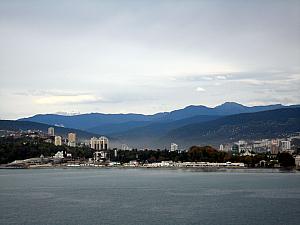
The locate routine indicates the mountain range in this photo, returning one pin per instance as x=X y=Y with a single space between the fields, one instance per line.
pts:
x=110 y=123
x=191 y=125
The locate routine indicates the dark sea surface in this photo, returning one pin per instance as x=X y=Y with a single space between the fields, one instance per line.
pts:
x=148 y=196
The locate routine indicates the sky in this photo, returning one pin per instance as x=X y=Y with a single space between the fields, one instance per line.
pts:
x=146 y=56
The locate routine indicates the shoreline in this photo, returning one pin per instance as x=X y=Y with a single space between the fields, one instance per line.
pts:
x=191 y=169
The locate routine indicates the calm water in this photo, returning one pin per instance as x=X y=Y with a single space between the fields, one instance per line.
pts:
x=142 y=196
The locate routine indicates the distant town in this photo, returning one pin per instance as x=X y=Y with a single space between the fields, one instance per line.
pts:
x=37 y=149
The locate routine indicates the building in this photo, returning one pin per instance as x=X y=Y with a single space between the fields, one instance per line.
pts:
x=285 y=145
x=274 y=146
x=221 y=148
x=57 y=140
x=235 y=149
x=59 y=155
x=125 y=147
x=72 y=139
x=242 y=146
x=101 y=143
x=51 y=131
x=100 y=156
x=174 y=147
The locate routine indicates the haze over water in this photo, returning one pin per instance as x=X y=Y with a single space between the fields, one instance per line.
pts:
x=148 y=196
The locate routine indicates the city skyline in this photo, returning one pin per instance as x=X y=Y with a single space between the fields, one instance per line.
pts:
x=142 y=57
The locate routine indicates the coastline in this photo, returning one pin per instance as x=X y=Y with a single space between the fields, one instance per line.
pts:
x=188 y=169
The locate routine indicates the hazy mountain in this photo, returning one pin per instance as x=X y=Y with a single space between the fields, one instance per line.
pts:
x=87 y=121
x=257 y=125
x=225 y=129
x=117 y=127
x=112 y=123
x=158 y=129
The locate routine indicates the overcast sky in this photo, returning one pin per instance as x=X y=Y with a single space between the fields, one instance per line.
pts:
x=146 y=56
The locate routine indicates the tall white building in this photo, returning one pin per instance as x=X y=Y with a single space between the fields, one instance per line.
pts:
x=72 y=139
x=221 y=148
x=174 y=147
x=101 y=143
x=57 y=140
x=285 y=145
x=51 y=131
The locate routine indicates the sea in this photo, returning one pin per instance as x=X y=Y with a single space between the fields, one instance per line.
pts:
x=149 y=197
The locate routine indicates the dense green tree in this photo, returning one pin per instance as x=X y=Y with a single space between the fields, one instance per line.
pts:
x=286 y=160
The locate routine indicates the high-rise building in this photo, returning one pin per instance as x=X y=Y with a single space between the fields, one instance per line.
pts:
x=285 y=145
x=101 y=143
x=221 y=148
x=274 y=149
x=51 y=131
x=235 y=149
x=174 y=147
x=72 y=139
x=57 y=140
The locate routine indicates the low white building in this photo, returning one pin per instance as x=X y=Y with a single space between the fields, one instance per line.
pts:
x=100 y=156
x=59 y=155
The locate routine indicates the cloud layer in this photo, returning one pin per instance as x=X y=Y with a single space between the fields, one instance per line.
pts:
x=145 y=56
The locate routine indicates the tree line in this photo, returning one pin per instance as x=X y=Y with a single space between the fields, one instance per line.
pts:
x=22 y=148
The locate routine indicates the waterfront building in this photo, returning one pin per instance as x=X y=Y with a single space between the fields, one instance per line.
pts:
x=51 y=131
x=174 y=147
x=57 y=140
x=59 y=155
x=101 y=143
x=72 y=139
x=100 y=156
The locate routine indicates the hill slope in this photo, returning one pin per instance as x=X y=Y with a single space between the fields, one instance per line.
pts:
x=258 y=125
x=144 y=136
x=12 y=125
x=226 y=129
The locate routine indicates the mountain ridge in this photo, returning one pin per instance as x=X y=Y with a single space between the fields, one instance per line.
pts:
x=226 y=129
x=91 y=121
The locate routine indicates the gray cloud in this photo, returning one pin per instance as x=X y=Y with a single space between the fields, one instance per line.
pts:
x=142 y=56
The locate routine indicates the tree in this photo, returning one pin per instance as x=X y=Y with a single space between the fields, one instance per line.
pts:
x=286 y=160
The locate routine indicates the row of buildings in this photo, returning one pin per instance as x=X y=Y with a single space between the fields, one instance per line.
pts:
x=273 y=146
x=58 y=140
x=101 y=143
